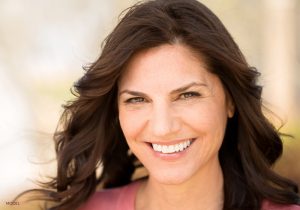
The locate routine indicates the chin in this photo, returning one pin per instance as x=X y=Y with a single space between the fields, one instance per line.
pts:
x=169 y=178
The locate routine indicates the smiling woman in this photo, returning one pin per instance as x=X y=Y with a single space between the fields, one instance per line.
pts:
x=175 y=126
x=171 y=92
x=176 y=123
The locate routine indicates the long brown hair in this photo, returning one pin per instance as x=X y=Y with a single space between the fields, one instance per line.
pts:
x=90 y=136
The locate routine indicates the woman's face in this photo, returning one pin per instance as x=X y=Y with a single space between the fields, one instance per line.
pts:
x=173 y=112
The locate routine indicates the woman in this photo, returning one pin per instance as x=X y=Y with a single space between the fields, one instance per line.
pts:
x=171 y=92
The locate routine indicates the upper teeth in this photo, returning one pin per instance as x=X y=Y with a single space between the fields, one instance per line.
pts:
x=171 y=148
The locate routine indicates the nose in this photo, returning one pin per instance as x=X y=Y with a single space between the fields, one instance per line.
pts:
x=163 y=121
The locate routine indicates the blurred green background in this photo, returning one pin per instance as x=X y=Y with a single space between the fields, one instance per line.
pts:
x=44 y=44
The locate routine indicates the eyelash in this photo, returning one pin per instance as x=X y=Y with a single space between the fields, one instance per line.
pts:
x=135 y=100
x=188 y=95
x=183 y=96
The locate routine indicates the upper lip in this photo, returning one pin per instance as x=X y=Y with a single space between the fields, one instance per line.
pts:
x=172 y=142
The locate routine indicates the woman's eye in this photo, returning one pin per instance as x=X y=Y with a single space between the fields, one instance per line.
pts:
x=188 y=95
x=135 y=100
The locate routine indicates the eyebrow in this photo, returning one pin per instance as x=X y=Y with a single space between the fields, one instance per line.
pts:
x=188 y=86
x=178 y=90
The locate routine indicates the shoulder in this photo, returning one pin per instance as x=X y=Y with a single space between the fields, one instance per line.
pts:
x=268 y=205
x=119 y=198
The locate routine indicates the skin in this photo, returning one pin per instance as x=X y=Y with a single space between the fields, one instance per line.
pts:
x=166 y=96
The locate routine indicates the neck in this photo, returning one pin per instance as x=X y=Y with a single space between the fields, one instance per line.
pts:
x=203 y=191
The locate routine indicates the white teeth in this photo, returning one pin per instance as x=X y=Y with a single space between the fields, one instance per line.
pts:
x=159 y=148
x=171 y=148
x=164 y=149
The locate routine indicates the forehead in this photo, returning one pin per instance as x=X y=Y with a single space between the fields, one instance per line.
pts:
x=166 y=64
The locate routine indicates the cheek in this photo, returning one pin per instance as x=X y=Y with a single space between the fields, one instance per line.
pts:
x=209 y=118
x=209 y=123
x=132 y=123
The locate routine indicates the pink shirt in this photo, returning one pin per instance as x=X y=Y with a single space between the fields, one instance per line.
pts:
x=123 y=198
x=267 y=205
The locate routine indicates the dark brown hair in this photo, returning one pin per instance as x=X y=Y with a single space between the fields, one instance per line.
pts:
x=90 y=136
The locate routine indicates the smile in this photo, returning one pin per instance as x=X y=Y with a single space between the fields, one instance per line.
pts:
x=167 y=149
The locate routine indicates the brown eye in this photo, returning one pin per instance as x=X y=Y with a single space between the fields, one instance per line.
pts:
x=188 y=95
x=135 y=100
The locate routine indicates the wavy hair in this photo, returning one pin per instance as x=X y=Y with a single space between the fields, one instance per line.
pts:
x=89 y=135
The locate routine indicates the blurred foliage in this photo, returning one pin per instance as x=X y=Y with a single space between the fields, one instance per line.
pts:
x=288 y=165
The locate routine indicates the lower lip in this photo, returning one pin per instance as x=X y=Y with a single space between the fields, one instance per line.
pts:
x=171 y=156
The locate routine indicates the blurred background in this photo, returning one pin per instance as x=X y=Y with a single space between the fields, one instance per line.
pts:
x=45 y=43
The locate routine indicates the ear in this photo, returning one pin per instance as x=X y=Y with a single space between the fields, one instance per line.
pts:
x=230 y=105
